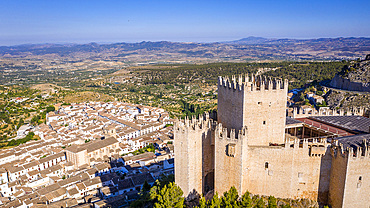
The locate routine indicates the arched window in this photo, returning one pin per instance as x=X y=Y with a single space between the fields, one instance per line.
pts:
x=266 y=165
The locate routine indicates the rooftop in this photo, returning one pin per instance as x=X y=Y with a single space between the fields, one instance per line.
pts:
x=357 y=124
x=355 y=141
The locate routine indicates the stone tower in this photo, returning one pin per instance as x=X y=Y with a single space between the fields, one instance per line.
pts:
x=194 y=149
x=256 y=102
x=253 y=108
x=246 y=148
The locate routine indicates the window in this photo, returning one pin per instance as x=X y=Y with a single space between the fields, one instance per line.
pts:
x=300 y=177
x=230 y=150
x=360 y=178
x=260 y=103
x=266 y=165
x=264 y=122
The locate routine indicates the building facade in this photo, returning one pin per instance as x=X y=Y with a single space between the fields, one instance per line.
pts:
x=249 y=147
x=86 y=154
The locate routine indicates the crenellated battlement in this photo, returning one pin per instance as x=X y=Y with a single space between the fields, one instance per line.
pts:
x=253 y=83
x=316 y=147
x=299 y=112
x=203 y=122
x=359 y=151
x=224 y=133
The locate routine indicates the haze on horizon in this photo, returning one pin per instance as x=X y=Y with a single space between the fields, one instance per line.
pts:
x=31 y=22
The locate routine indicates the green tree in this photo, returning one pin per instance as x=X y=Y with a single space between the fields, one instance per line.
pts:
x=246 y=200
x=202 y=202
x=215 y=202
x=306 y=102
x=230 y=198
x=272 y=202
x=20 y=123
x=50 y=108
x=146 y=187
x=260 y=203
x=167 y=197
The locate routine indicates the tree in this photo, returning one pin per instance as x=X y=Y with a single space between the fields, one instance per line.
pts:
x=167 y=197
x=272 y=202
x=20 y=123
x=202 y=202
x=306 y=102
x=246 y=200
x=230 y=198
x=216 y=201
x=146 y=187
x=50 y=108
x=260 y=203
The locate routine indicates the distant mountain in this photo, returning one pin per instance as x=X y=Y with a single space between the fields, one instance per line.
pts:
x=246 y=49
x=249 y=40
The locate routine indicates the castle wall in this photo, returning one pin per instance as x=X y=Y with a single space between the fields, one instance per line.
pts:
x=264 y=115
x=356 y=192
x=236 y=151
x=230 y=107
x=259 y=104
x=288 y=172
x=229 y=152
x=349 y=181
x=194 y=154
x=208 y=147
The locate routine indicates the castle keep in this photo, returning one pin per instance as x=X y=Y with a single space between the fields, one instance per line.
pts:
x=255 y=147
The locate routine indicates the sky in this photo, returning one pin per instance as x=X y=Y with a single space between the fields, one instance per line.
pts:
x=108 y=21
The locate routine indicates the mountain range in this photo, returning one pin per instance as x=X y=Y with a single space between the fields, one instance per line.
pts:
x=246 y=49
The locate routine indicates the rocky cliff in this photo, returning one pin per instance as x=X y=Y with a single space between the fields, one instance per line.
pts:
x=354 y=78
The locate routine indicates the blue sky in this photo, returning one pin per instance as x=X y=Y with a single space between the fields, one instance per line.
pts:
x=77 y=21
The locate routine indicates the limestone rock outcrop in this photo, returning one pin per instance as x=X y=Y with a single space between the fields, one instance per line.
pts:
x=354 y=78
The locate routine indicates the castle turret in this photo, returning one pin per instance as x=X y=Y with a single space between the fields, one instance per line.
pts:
x=258 y=103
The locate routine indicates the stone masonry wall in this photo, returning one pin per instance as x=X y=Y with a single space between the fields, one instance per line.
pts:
x=192 y=149
x=257 y=103
x=349 y=181
x=264 y=116
x=228 y=160
x=357 y=186
x=288 y=172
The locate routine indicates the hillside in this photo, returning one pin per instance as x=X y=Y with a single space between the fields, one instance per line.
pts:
x=246 y=49
x=354 y=78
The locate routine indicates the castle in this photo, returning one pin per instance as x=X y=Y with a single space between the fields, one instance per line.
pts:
x=255 y=147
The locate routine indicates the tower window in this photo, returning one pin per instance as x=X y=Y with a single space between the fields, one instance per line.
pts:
x=360 y=178
x=264 y=122
x=230 y=150
x=259 y=103
x=266 y=165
